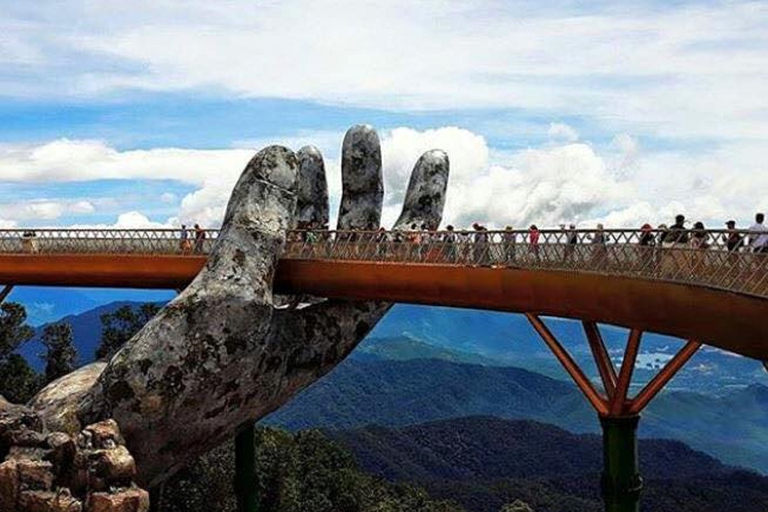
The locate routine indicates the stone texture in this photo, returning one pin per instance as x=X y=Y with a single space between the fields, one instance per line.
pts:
x=312 y=196
x=60 y=475
x=48 y=501
x=425 y=199
x=102 y=435
x=221 y=353
x=114 y=465
x=62 y=451
x=203 y=365
x=35 y=474
x=125 y=500
x=18 y=425
x=9 y=485
x=363 y=186
x=57 y=403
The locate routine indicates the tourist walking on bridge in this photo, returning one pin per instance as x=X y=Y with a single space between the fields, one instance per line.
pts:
x=733 y=240
x=646 y=235
x=185 y=245
x=480 y=254
x=572 y=240
x=199 y=239
x=533 y=241
x=677 y=233
x=449 y=239
x=509 y=239
x=700 y=236
x=599 y=251
x=758 y=236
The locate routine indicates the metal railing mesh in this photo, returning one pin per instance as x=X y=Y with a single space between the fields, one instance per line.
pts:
x=713 y=258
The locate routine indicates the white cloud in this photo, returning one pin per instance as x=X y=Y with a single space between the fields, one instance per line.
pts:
x=678 y=70
x=127 y=220
x=547 y=185
x=168 y=197
x=562 y=132
x=85 y=160
x=44 y=209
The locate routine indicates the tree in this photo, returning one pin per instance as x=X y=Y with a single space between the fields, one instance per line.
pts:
x=18 y=381
x=60 y=352
x=120 y=326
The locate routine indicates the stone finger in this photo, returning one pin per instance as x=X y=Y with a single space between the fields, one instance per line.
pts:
x=362 y=183
x=425 y=198
x=312 y=196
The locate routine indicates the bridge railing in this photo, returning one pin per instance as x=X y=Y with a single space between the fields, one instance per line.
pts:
x=694 y=257
x=105 y=241
x=703 y=257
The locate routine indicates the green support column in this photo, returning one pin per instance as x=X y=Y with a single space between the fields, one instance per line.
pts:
x=245 y=469
x=621 y=483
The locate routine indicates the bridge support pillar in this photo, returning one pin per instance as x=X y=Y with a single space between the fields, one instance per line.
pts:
x=619 y=414
x=245 y=469
x=621 y=483
x=7 y=289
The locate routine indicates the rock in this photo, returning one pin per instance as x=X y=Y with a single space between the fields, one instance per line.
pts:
x=103 y=435
x=114 y=465
x=127 y=500
x=27 y=438
x=9 y=485
x=62 y=451
x=36 y=475
x=57 y=403
x=48 y=501
x=18 y=424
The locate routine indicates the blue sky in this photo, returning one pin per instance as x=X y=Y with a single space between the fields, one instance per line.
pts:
x=144 y=113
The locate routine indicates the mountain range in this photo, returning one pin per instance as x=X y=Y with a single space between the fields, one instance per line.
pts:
x=732 y=427
x=482 y=337
x=484 y=462
x=429 y=363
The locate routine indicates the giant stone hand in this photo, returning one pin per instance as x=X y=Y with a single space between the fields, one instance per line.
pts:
x=221 y=353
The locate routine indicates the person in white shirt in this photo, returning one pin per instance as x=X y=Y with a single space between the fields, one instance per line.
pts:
x=758 y=236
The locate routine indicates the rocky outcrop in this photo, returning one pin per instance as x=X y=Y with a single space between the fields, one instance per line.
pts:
x=223 y=352
x=43 y=471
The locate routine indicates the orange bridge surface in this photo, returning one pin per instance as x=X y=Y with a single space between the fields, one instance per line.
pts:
x=726 y=319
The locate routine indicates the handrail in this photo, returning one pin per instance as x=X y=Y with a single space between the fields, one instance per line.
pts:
x=698 y=257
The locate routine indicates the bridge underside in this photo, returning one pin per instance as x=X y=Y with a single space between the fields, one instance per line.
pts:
x=727 y=320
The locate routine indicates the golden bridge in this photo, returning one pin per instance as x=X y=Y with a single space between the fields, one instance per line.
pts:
x=702 y=295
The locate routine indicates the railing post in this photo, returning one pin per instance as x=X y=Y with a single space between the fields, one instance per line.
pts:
x=621 y=483
x=245 y=469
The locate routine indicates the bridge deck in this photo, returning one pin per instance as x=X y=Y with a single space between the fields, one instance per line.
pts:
x=715 y=296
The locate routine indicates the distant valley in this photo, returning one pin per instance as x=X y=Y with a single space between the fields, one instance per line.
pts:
x=460 y=335
x=732 y=428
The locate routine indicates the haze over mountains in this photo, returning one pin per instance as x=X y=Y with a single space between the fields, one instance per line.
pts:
x=482 y=337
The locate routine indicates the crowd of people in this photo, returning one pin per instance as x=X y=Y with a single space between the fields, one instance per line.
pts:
x=479 y=245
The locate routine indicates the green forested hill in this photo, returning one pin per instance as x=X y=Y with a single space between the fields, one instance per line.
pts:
x=483 y=462
x=732 y=428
